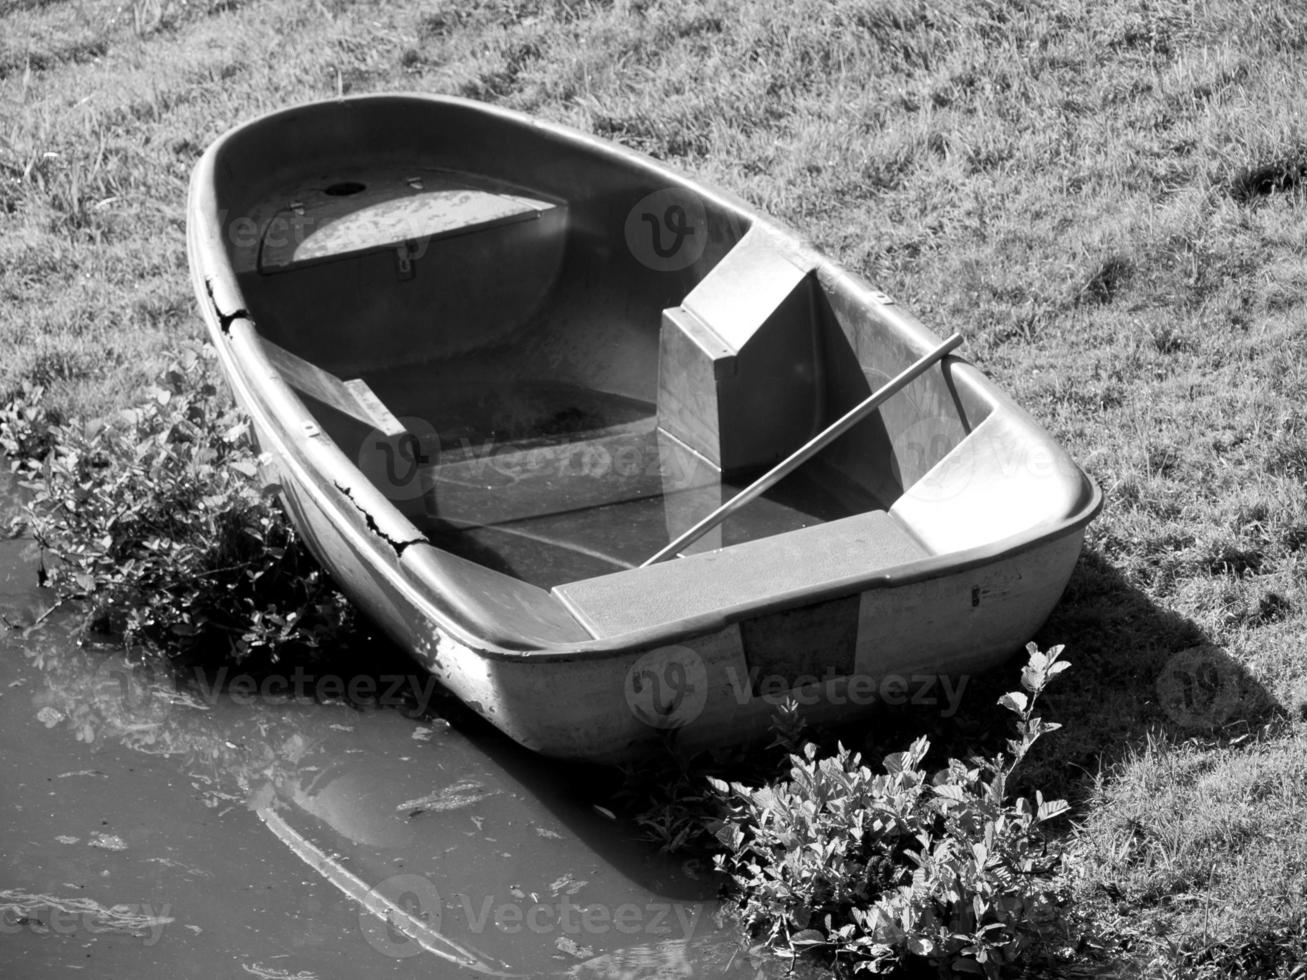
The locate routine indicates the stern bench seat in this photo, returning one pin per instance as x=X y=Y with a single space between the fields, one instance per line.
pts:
x=715 y=582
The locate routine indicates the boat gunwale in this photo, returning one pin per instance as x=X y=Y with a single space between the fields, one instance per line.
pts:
x=277 y=412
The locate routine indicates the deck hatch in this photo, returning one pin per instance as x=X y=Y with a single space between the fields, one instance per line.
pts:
x=322 y=222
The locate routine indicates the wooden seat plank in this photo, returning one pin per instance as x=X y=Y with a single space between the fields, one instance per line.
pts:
x=702 y=584
x=353 y=398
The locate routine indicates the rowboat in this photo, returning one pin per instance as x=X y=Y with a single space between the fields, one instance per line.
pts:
x=620 y=459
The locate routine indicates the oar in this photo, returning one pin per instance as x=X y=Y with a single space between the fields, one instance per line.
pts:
x=805 y=452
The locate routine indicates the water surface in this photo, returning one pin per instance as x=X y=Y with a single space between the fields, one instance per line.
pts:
x=162 y=826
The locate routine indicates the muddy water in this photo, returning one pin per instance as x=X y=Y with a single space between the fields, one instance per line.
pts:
x=160 y=826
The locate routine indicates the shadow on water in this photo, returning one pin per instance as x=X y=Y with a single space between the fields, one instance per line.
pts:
x=156 y=819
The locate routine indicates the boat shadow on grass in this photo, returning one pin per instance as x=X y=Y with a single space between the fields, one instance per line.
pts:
x=1144 y=671
x=1138 y=671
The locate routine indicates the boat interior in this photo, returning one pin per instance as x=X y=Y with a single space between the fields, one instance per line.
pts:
x=542 y=386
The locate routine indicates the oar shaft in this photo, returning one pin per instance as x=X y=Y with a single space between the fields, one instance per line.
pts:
x=809 y=449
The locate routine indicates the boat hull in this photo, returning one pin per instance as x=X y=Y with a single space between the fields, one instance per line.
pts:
x=917 y=644
x=978 y=520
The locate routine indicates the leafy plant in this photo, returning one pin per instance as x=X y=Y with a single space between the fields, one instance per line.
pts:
x=156 y=519
x=900 y=868
x=25 y=426
x=670 y=795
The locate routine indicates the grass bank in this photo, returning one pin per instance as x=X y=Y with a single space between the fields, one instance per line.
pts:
x=1106 y=199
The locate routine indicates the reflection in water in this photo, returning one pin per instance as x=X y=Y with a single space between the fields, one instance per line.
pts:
x=398 y=930
x=215 y=824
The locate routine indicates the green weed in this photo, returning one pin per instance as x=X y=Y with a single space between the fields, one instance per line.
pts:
x=878 y=871
x=154 y=517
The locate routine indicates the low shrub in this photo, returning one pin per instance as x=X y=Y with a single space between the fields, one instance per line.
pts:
x=900 y=869
x=25 y=425
x=156 y=519
x=671 y=796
